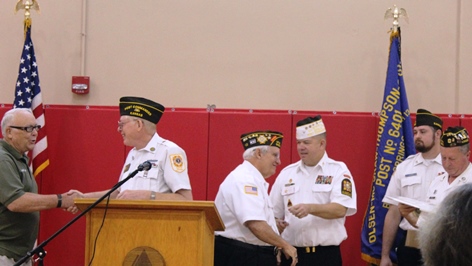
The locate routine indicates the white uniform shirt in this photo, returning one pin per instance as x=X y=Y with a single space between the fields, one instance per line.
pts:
x=411 y=179
x=167 y=175
x=243 y=197
x=328 y=182
x=440 y=188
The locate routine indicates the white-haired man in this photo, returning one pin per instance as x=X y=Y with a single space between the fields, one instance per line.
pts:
x=20 y=202
x=251 y=237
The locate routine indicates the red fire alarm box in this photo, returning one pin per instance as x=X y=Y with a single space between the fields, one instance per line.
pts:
x=80 y=84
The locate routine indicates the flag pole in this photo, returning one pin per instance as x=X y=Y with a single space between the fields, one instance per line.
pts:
x=28 y=91
x=394 y=144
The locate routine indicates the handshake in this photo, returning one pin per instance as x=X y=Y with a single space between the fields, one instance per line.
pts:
x=66 y=200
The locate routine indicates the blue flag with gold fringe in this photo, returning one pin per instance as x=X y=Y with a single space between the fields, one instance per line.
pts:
x=394 y=144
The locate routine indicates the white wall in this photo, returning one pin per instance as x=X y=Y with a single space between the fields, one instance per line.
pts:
x=260 y=54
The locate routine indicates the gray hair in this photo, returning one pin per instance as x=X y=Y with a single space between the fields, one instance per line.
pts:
x=148 y=126
x=445 y=238
x=465 y=148
x=8 y=116
x=249 y=153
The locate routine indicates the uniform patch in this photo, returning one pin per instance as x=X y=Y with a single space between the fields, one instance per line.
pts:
x=126 y=168
x=324 y=179
x=177 y=163
x=262 y=139
x=250 y=190
x=347 y=176
x=412 y=174
x=346 y=188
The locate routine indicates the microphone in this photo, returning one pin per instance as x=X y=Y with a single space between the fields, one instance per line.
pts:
x=145 y=166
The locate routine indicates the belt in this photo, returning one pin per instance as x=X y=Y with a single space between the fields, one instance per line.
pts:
x=314 y=249
x=264 y=249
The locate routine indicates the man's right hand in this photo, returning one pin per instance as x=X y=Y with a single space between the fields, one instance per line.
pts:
x=75 y=194
x=385 y=261
x=281 y=224
x=291 y=252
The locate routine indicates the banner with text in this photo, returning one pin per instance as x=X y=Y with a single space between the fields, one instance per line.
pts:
x=394 y=144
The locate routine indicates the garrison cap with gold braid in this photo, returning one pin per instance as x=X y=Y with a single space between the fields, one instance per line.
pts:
x=309 y=127
x=262 y=138
x=142 y=108
x=454 y=137
x=426 y=118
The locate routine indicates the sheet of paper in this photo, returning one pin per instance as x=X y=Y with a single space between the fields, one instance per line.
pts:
x=423 y=206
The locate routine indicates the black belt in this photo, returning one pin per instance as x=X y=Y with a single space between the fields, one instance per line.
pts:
x=314 y=249
x=264 y=249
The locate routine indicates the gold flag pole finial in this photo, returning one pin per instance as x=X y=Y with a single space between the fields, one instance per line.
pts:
x=27 y=5
x=396 y=13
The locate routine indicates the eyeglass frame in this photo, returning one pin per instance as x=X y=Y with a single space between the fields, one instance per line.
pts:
x=28 y=129
x=121 y=124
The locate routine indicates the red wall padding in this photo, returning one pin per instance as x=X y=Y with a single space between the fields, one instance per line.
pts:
x=467 y=123
x=189 y=129
x=86 y=153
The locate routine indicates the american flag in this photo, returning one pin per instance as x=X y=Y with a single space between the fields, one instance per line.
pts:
x=28 y=95
x=250 y=190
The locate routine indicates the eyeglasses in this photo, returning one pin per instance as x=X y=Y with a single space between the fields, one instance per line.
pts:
x=28 y=129
x=121 y=124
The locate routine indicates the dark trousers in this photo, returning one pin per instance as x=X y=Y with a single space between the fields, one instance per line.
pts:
x=320 y=255
x=408 y=256
x=229 y=252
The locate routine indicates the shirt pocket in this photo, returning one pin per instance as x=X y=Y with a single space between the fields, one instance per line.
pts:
x=147 y=180
x=411 y=186
x=410 y=181
x=322 y=187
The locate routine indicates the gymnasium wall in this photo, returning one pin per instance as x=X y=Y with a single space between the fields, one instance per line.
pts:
x=86 y=153
x=264 y=54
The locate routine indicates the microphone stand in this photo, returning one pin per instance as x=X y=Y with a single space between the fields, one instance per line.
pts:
x=39 y=250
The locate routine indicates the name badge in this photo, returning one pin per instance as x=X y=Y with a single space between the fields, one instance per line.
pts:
x=288 y=190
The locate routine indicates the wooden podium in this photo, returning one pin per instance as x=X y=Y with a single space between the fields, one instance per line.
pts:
x=145 y=232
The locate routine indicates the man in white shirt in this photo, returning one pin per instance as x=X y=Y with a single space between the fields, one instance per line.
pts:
x=251 y=237
x=312 y=198
x=455 y=154
x=412 y=179
x=168 y=177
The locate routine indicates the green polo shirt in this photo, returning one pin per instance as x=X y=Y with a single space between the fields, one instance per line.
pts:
x=18 y=231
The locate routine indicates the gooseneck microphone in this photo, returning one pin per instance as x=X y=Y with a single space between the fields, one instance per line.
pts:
x=147 y=165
